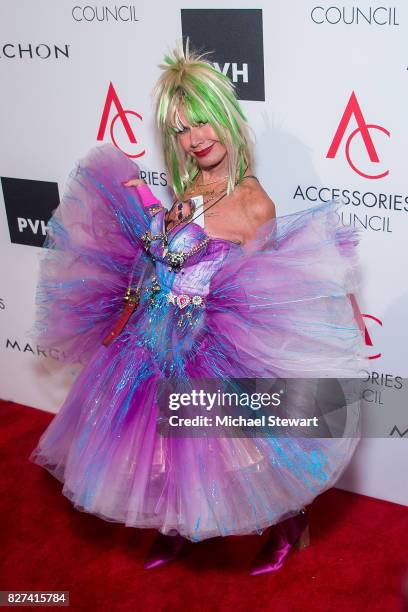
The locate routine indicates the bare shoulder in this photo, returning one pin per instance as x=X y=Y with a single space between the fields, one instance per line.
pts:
x=256 y=202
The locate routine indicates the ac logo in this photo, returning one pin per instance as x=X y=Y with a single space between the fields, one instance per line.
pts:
x=367 y=336
x=360 y=319
x=121 y=116
x=353 y=110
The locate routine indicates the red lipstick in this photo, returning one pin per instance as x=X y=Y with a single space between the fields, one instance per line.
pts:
x=203 y=152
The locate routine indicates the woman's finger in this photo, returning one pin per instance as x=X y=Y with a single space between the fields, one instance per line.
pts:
x=133 y=183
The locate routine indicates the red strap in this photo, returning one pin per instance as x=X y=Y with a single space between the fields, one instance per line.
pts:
x=120 y=324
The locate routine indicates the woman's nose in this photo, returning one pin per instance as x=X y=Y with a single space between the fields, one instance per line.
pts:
x=196 y=136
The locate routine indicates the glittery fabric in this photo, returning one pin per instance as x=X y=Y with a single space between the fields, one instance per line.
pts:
x=277 y=307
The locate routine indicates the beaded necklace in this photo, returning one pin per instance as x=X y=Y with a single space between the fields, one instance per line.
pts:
x=190 y=218
x=176 y=259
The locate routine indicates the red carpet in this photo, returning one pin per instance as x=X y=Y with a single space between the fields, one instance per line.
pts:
x=356 y=561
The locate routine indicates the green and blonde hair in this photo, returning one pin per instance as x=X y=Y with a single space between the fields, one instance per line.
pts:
x=207 y=96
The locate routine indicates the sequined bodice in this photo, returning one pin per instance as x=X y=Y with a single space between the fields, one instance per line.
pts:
x=172 y=310
x=203 y=255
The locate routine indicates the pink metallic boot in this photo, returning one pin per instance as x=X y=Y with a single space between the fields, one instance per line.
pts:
x=290 y=533
x=165 y=548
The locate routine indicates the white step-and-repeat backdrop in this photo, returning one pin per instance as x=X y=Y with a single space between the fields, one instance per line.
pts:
x=324 y=85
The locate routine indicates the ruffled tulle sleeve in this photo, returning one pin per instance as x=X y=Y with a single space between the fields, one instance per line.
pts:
x=93 y=245
x=286 y=305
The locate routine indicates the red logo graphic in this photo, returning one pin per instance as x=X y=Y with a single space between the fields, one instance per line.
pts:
x=359 y=316
x=112 y=98
x=367 y=336
x=353 y=109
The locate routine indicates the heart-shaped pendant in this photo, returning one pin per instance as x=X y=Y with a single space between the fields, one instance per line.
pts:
x=183 y=301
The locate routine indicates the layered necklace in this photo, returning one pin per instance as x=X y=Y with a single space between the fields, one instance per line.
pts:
x=210 y=191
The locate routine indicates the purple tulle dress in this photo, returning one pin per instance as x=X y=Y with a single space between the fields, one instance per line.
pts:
x=277 y=307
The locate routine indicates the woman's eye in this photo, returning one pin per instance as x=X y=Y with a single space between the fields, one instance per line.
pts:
x=186 y=128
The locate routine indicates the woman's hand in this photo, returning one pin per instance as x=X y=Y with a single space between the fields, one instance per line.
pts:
x=134 y=183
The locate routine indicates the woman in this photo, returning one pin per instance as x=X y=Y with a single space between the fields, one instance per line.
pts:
x=215 y=288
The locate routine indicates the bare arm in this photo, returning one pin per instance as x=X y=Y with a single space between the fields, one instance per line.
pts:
x=259 y=210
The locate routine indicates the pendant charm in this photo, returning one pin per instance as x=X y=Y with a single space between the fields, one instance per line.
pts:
x=154 y=290
x=175 y=261
x=165 y=244
x=183 y=300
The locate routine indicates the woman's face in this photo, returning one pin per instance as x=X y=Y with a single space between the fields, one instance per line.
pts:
x=201 y=142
